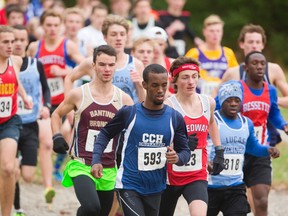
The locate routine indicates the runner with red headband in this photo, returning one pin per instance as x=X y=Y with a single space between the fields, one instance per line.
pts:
x=197 y=110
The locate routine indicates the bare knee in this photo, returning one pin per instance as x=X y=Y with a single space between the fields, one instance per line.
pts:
x=261 y=203
x=8 y=170
x=46 y=145
x=27 y=177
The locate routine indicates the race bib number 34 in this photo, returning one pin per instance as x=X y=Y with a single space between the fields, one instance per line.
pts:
x=5 y=106
x=151 y=158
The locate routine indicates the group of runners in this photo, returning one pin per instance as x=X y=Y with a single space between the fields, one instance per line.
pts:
x=141 y=127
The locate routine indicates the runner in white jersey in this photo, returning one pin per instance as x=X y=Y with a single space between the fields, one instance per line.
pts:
x=95 y=104
x=190 y=180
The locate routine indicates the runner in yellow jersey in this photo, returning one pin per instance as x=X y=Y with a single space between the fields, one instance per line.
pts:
x=215 y=59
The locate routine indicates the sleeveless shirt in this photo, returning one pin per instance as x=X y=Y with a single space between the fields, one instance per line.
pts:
x=8 y=93
x=90 y=117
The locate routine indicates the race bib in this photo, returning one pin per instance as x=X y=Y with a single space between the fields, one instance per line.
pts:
x=5 y=107
x=151 y=158
x=258 y=132
x=21 y=106
x=91 y=138
x=233 y=164
x=56 y=86
x=194 y=164
x=207 y=87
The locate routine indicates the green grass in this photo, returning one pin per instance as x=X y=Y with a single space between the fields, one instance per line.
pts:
x=280 y=171
x=280 y=165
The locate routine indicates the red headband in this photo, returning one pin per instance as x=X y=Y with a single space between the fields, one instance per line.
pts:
x=183 y=67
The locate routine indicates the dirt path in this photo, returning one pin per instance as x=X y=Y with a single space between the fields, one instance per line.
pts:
x=66 y=204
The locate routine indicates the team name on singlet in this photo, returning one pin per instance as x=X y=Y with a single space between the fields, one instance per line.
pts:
x=235 y=139
x=256 y=105
x=234 y=149
x=52 y=59
x=214 y=65
x=7 y=88
x=120 y=79
x=152 y=140
x=196 y=128
x=104 y=113
x=100 y=113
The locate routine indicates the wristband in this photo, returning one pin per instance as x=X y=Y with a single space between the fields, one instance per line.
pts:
x=219 y=148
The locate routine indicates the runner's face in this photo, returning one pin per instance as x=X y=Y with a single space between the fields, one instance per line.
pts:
x=104 y=67
x=21 y=42
x=52 y=27
x=16 y=18
x=231 y=107
x=98 y=17
x=143 y=9
x=116 y=37
x=213 y=34
x=73 y=23
x=187 y=82
x=156 y=88
x=6 y=44
x=145 y=53
x=252 y=42
x=256 y=67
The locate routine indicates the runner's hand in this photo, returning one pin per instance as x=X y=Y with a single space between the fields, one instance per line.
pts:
x=59 y=144
x=96 y=170
x=218 y=162
x=171 y=155
x=193 y=141
x=274 y=152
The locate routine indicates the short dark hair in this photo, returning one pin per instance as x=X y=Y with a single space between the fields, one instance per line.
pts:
x=50 y=13
x=247 y=57
x=153 y=68
x=251 y=28
x=106 y=49
x=13 y=8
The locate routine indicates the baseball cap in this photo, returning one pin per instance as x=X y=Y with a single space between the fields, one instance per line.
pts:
x=157 y=33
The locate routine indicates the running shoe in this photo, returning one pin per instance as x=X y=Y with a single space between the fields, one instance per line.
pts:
x=19 y=212
x=49 y=195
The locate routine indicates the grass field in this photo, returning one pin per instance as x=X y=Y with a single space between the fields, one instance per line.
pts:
x=280 y=165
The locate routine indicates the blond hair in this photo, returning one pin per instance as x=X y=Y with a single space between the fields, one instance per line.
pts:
x=113 y=19
x=212 y=20
x=73 y=10
x=141 y=41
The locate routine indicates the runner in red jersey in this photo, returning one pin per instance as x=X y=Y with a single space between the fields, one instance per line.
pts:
x=197 y=110
x=10 y=122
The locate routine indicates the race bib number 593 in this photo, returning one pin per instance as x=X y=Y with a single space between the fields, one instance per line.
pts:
x=151 y=158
